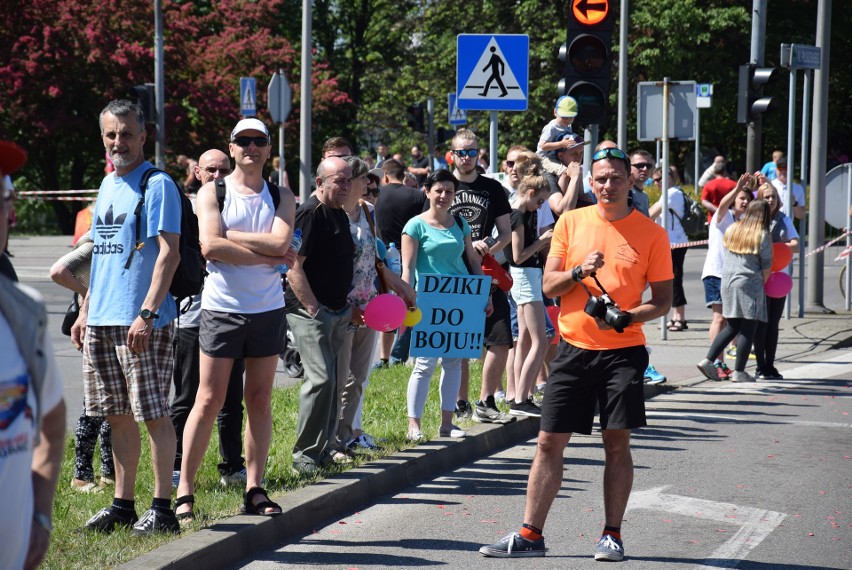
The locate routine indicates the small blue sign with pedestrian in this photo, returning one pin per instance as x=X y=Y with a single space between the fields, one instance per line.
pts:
x=492 y=72
x=248 y=97
x=457 y=116
x=453 y=322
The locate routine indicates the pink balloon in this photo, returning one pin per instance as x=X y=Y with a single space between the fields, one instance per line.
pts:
x=778 y=285
x=781 y=256
x=385 y=313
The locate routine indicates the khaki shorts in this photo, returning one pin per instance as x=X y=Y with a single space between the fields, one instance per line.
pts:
x=118 y=381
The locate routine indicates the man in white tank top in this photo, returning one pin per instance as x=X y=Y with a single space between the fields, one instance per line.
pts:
x=242 y=309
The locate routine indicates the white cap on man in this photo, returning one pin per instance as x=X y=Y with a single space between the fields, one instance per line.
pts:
x=249 y=125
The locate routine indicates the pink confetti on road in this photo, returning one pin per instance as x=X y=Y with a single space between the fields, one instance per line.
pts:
x=730 y=516
x=771 y=456
x=341 y=522
x=810 y=534
x=693 y=542
x=488 y=521
x=721 y=530
x=667 y=520
x=822 y=492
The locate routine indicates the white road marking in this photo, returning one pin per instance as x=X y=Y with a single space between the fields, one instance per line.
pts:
x=756 y=524
x=711 y=418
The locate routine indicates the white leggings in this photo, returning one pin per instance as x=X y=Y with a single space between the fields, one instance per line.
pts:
x=418 y=384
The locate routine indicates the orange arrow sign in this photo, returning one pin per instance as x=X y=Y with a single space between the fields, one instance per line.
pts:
x=590 y=12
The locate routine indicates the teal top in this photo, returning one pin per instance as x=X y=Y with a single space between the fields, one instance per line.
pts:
x=439 y=250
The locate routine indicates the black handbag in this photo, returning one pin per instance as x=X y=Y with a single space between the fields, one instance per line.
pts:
x=71 y=315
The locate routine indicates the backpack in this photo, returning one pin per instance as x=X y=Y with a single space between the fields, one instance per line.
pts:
x=274 y=191
x=189 y=275
x=693 y=215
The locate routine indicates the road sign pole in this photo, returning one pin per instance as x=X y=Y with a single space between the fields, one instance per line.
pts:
x=492 y=167
x=697 y=151
x=664 y=185
x=791 y=163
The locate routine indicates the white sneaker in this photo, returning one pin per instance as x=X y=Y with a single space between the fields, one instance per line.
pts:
x=499 y=396
x=415 y=435
x=453 y=431
x=175 y=479
x=235 y=479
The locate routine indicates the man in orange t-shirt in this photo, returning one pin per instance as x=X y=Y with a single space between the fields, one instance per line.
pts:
x=625 y=251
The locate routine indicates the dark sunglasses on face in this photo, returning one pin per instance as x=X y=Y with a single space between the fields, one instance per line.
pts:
x=615 y=153
x=469 y=153
x=244 y=142
x=371 y=192
x=214 y=170
x=510 y=164
x=657 y=180
x=642 y=165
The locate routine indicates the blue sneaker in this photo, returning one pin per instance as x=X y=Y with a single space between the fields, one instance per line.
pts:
x=514 y=546
x=610 y=549
x=653 y=377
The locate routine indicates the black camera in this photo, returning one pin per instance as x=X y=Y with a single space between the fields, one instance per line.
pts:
x=605 y=308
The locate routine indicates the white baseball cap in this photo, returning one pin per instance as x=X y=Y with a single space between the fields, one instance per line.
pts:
x=249 y=125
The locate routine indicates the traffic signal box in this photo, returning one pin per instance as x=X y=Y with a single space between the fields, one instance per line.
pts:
x=750 y=100
x=588 y=59
x=146 y=98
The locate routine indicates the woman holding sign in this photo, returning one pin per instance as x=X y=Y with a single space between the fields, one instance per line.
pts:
x=434 y=242
x=782 y=231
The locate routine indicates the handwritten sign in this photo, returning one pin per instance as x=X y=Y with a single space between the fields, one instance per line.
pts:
x=453 y=315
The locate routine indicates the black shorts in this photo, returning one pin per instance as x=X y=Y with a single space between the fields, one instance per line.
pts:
x=498 y=327
x=580 y=378
x=242 y=335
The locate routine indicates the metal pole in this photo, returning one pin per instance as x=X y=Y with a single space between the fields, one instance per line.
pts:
x=281 y=141
x=622 y=76
x=791 y=158
x=665 y=182
x=755 y=128
x=492 y=142
x=588 y=150
x=697 y=150
x=430 y=108
x=848 y=237
x=160 y=88
x=819 y=140
x=806 y=127
x=305 y=105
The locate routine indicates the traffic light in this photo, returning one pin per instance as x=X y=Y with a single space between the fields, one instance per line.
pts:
x=750 y=100
x=417 y=117
x=145 y=98
x=587 y=55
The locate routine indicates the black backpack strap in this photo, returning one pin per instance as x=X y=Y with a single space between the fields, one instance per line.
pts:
x=143 y=187
x=275 y=191
x=220 y=194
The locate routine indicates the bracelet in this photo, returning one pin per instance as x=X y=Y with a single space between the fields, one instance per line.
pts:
x=43 y=521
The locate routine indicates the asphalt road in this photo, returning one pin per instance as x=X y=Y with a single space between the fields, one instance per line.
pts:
x=727 y=476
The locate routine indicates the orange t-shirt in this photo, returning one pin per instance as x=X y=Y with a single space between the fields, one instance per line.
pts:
x=636 y=252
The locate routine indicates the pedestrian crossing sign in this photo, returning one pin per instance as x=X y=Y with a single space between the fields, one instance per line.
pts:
x=492 y=72
x=248 y=97
x=457 y=116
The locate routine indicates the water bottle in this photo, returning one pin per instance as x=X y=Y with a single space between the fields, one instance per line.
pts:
x=393 y=259
x=295 y=244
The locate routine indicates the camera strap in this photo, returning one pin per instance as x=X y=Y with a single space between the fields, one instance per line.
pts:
x=594 y=276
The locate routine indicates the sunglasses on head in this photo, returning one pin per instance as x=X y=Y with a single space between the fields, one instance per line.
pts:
x=244 y=142
x=642 y=165
x=615 y=153
x=214 y=170
x=469 y=153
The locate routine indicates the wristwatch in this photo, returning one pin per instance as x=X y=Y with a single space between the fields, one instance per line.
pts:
x=43 y=521
x=577 y=274
x=146 y=314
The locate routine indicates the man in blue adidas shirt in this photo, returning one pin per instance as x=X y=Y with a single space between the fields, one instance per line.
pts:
x=125 y=328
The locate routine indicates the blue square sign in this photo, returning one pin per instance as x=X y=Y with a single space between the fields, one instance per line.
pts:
x=492 y=72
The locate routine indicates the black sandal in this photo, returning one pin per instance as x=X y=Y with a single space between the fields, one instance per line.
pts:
x=260 y=508
x=677 y=326
x=188 y=516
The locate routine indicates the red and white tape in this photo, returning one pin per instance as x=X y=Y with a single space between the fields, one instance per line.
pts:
x=829 y=244
x=690 y=244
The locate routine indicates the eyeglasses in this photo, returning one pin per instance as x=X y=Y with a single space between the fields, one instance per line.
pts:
x=615 y=153
x=244 y=142
x=371 y=192
x=540 y=201
x=510 y=164
x=214 y=170
x=469 y=152
x=642 y=165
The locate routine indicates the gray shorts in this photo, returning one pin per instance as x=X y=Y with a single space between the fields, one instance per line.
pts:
x=242 y=335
